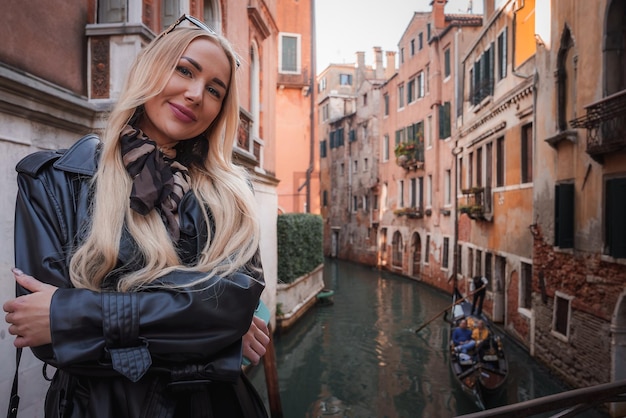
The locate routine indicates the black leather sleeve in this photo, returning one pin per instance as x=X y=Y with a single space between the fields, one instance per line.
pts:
x=125 y=333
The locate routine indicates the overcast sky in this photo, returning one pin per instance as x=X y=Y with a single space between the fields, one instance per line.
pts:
x=346 y=26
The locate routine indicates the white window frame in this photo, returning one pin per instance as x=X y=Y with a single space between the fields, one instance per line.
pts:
x=298 y=52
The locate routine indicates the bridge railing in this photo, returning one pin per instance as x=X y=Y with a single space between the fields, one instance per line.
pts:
x=566 y=404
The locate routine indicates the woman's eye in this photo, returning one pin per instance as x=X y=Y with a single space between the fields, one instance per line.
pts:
x=213 y=91
x=183 y=70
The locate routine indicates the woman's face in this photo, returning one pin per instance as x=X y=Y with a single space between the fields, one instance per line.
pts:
x=192 y=98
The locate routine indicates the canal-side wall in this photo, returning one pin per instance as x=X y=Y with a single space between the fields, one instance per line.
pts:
x=584 y=357
x=294 y=299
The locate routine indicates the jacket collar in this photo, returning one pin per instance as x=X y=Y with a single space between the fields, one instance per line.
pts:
x=82 y=157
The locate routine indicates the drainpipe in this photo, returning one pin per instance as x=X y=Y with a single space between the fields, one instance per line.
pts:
x=312 y=85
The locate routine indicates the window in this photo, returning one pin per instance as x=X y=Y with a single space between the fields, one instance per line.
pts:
x=427 y=78
x=428 y=31
x=564 y=215
x=401 y=55
x=401 y=96
x=323 y=149
x=489 y=270
x=527 y=153
x=420 y=41
x=420 y=192
x=420 y=85
x=429 y=131
x=410 y=92
x=500 y=162
x=351 y=135
x=444 y=121
x=345 y=79
x=413 y=193
x=365 y=164
x=561 y=313
x=355 y=166
x=446 y=63
x=400 y=193
x=446 y=252
x=322 y=85
x=447 y=190
x=289 y=53
x=386 y=100
x=113 y=11
x=479 y=167
x=429 y=190
x=427 y=250
x=470 y=262
x=412 y=47
x=396 y=244
x=479 y=263
x=355 y=203
x=502 y=54
x=365 y=99
x=325 y=198
x=526 y=286
x=481 y=77
x=325 y=110
x=386 y=147
x=366 y=204
x=615 y=225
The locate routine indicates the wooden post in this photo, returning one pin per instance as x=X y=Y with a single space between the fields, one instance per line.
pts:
x=271 y=379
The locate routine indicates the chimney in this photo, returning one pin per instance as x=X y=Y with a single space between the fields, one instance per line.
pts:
x=390 y=70
x=378 y=60
x=360 y=69
x=439 y=17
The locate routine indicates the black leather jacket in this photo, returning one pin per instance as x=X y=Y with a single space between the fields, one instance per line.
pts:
x=127 y=354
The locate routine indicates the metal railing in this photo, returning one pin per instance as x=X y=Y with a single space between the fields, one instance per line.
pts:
x=566 y=404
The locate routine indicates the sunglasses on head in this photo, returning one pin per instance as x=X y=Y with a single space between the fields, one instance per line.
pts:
x=196 y=22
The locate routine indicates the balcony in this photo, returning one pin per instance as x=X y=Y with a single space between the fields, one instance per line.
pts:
x=605 y=121
x=412 y=213
x=475 y=203
x=410 y=155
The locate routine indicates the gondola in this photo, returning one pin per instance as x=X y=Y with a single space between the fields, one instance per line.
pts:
x=483 y=371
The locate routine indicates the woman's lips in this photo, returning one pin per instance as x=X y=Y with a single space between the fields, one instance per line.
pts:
x=182 y=113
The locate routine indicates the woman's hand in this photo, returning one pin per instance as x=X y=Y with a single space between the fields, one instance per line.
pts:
x=255 y=340
x=29 y=315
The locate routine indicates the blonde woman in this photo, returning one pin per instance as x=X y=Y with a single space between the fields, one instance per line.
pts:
x=136 y=256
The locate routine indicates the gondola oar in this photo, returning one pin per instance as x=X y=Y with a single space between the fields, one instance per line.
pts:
x=449 y=307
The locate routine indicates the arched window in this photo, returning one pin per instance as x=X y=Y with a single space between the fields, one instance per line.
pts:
x=614 y=44
x=396 y=243
x=212 y=15
x=170 y=11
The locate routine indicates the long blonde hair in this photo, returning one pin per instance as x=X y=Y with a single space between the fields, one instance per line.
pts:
x=216 y=182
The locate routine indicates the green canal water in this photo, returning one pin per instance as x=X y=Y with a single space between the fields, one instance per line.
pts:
x=360 y=356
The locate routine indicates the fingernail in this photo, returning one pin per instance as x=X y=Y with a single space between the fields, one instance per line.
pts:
x=17 y=271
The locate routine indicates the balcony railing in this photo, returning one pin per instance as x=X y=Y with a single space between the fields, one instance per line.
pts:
x=476 y=203
x=410 y=155
x=605 y=121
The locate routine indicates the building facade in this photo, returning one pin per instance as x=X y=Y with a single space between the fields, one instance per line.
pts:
x=418 y=165
x=297 y=145
x=62 y=65
x=579 y=286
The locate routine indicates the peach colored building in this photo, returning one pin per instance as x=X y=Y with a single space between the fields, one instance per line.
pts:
x=495 y=163
x=419 y=124
x=297 y=147
x=62 y=65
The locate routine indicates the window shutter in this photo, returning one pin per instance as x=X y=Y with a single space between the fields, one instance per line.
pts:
x=564 y=215
x=615 y=220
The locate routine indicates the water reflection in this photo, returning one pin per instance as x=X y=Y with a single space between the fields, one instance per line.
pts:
x=360 y=357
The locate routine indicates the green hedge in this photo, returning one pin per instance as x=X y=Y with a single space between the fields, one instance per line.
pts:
x=299 y=245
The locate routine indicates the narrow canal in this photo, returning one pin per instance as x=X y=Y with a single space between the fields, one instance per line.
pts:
x=360 y=357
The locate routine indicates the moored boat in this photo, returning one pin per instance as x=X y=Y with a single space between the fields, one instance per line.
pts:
x=483 y=370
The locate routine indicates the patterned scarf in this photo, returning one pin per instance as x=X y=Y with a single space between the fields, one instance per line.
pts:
x=159 y=181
